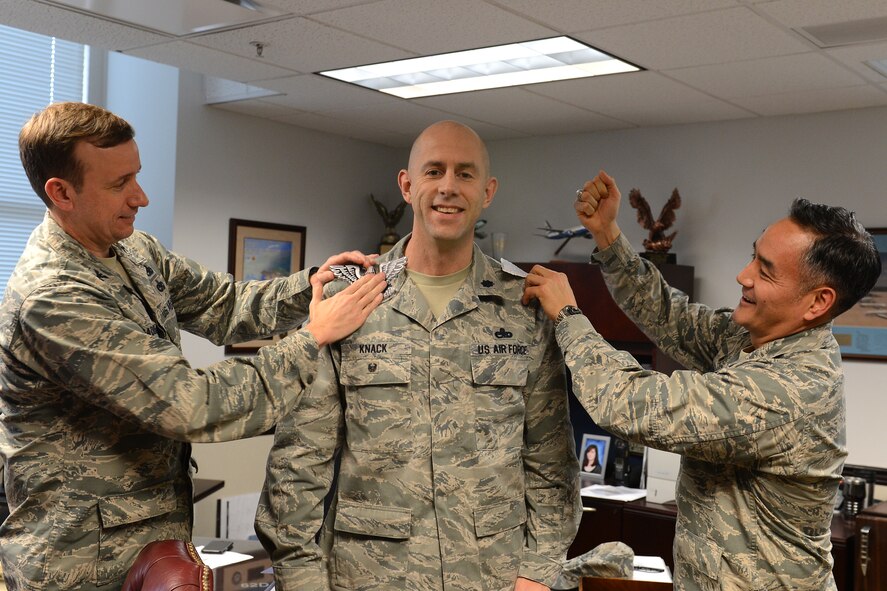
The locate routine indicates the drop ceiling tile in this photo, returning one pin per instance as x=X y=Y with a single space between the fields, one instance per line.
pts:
x=302 y=45
x=429 y=27
x=641 y=98
x=403 y=116
x=357 y=125
x=815 y=101
x=855 y=57
x=709 y=38
x=803 y=13
x=523 y=111
x=212 y=62
x=256 y=108
x=774 y=75
x=586 y=15
x=304 y=7
x=312 y=92
x=73 y=26
x=368 y=125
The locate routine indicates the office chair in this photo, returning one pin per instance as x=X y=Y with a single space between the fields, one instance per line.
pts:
x=169 y=565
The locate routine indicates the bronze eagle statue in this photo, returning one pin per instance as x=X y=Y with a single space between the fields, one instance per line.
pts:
x=658 y=240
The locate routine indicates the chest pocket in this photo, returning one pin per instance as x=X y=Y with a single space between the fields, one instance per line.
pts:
x=499 y=372
x=376 y=376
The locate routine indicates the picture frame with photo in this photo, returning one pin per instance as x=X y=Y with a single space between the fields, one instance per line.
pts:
x=263 y=250
x=861 y=331
x=593 y=457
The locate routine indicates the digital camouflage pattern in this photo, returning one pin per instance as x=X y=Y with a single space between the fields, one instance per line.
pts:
x=612 y=560
x=97 y=401
x=761 y=433
x=457 y=468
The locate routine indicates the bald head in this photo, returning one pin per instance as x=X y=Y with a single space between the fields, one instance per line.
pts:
x=453 y=129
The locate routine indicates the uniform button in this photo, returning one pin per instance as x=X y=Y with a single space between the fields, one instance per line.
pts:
x=372 y=367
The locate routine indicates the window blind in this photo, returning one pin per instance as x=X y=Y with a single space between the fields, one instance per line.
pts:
x=35 y=71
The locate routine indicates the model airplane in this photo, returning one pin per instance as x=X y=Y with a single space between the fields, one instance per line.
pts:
x=565 y=234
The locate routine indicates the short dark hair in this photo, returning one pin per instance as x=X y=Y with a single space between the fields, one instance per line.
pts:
x=47 y=141
x=843 y=255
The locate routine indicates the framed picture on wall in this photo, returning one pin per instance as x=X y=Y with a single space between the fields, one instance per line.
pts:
x=593 y=457
x=262 y=250
x=862 y=330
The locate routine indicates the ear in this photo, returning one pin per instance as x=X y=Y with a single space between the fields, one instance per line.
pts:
x=490 y=191
x=823 y=301
x=403 y=181
x=60 y=193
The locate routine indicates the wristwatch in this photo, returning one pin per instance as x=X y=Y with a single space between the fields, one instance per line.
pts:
x=566 y=311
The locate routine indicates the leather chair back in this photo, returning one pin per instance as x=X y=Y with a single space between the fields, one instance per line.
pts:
x=169 y=565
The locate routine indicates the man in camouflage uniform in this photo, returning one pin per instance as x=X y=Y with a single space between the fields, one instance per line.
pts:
x=758 y=417
x=458 y=471
x=96 y=398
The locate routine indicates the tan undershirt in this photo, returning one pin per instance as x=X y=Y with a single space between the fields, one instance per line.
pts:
x=438 y=290
x=114 y=264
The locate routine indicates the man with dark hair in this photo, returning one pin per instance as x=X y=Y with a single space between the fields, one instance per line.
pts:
x=97 y=402
x=758 y=417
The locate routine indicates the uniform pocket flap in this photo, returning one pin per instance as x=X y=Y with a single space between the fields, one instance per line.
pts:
x=373 y=520
x=135 y=506
x=499 y=369
x=703 y=554
x=375 y=362
x=499 y=517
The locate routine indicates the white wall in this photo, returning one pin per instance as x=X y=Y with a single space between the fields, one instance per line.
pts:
x=734 y=178
x=147 y=95
x=234 y=166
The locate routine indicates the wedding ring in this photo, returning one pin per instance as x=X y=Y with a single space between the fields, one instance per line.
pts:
x=579 y=194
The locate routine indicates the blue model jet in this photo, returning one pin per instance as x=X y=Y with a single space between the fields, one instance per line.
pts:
x=565 y=234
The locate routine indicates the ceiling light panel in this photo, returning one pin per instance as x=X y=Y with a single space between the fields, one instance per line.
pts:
x=515 y=64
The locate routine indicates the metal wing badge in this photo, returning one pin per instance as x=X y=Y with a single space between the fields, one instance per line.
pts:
x=352 y=273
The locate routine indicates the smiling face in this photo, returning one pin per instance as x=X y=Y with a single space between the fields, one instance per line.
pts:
x=776 y=301
x=101 y=211
x=448 y=186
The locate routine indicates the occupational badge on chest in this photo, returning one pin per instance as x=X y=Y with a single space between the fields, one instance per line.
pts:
x=352 y=273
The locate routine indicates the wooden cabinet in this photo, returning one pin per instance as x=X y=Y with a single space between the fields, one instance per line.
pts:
x=649 y=529
x=870 y=563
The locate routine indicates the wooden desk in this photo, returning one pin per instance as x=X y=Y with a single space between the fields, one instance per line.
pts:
x=203 y=487
x=242 y=576
x=597 y=584
x=649 y=529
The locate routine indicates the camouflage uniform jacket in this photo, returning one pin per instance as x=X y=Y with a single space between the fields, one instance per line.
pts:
x=457 y=467
x=761 y=433
x=97 y=401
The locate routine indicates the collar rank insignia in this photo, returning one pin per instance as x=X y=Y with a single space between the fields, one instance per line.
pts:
x=352 y=273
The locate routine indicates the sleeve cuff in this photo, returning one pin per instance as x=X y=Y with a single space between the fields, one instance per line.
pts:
x=539 y=568
x=572 y=328
x=305 y=578
x=618 y=254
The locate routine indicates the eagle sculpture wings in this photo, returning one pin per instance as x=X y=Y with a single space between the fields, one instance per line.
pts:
x=658 y=240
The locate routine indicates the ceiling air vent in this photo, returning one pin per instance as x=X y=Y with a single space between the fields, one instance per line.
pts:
x=847 y=33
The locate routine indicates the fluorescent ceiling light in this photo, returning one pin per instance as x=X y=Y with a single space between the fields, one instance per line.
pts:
x=516 y=64
x=880 y=66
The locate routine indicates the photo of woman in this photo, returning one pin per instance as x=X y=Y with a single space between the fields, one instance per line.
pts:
x=590 y=461
x=593 y=458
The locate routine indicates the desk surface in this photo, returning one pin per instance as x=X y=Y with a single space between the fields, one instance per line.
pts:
x=203 y=487
x=598 y=584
